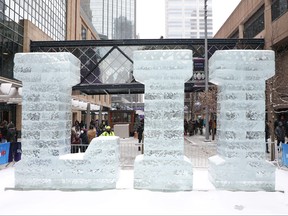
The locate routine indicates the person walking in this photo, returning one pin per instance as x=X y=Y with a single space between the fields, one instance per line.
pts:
x=12 y=139
x=140 y=130
x=280 y=134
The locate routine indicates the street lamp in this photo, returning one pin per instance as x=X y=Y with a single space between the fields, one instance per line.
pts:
x=206 y=73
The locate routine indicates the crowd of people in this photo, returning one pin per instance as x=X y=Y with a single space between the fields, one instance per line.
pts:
x=81 y=135
x=193 y=126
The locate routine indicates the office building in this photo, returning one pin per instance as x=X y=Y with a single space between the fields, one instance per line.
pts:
x=186 y=18
x=114 y=19
x=23 y=21
x=265 y=19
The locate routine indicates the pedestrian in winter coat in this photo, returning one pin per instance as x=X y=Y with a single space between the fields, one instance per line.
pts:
x=280 y=133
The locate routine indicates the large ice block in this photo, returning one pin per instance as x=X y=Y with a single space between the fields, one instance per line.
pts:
x=240 y=163
x=163 y=165
x=46 y=129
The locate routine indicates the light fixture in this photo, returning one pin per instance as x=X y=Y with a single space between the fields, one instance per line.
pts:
x=15 y=95
x=94 y=107
x=82 y=105
x=5 y=88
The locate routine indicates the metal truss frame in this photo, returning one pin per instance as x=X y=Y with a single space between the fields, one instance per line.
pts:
x=107 y=65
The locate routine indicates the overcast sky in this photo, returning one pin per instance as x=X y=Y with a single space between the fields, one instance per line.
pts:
x=151 y=16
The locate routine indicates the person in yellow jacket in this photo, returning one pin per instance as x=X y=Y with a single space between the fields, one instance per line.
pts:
x=108 y=132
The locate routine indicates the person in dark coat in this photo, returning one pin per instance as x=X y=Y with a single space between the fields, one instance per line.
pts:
x=12 y=139
x=84 y=137
x=140 y=130
x=280 y=134
x=4 y=131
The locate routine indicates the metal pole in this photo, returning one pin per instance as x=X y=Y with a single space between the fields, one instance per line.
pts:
x=88 y=116
x=206 y=74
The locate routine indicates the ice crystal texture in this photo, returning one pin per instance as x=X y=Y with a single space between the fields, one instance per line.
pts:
x=163 y=165
x=46 y=129
x=240 y=163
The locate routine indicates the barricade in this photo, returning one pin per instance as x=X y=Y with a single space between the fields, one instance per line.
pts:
x=285 y=154
x=4 y=152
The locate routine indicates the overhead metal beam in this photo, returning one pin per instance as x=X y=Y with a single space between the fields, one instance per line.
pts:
x=113 y=59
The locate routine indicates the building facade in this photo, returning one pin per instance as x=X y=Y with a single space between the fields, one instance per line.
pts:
x=265 y=19
x=30 y=20
x=186 y=18
x=114 y=19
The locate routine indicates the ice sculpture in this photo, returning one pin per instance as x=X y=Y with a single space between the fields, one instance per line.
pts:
x=163 y=165
x=240 y=163
x=46 y=129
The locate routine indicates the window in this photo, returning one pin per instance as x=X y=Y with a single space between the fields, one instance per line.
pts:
x=255 y=24
x=278 y=7
x=83 y=33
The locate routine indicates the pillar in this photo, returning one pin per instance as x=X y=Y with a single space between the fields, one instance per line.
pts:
x=46 y=114
x=163 y=165
x=240 y=163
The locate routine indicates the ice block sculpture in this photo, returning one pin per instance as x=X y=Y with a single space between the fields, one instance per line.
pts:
x=46 y=128
x=163 y=165
x=99 y=168
x=240 y=163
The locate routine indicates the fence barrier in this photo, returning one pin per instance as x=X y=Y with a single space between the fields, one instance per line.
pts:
x=197 y=153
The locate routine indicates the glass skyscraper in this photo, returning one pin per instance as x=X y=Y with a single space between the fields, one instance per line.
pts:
x=185 y=19
x=114 y=19
x=47 y=15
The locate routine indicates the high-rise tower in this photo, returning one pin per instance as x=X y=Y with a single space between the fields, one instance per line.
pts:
x=114 y=19
x=185 y=19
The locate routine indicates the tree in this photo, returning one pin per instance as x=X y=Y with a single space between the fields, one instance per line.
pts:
x=209 y=99
x=276 y=86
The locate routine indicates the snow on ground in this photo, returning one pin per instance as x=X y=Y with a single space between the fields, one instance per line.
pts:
x=203 y=200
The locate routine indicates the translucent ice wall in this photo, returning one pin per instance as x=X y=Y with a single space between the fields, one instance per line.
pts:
x=46 y=129
x=240 y=163
x=163 y=165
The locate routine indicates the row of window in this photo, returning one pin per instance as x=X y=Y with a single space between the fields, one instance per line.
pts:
x=48 y=15
x=118 y=21
x=278 y=8
x=192 y=12
x=256 y=23
x=189 y=35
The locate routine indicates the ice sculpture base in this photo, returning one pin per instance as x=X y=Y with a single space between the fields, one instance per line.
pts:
x=163 y=175
x=96 y=169
x=224 y=175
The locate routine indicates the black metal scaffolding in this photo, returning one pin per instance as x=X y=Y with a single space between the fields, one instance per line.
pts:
x=107 y=65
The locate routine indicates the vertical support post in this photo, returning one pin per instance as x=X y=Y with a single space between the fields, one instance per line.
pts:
x=240 y=163
x=206 y=74
x=163 y=165
x=46 y=114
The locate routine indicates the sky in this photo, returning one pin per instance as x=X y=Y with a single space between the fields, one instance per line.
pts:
x=151 y=16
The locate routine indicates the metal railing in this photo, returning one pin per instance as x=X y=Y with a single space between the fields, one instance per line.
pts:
x=197 y=153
